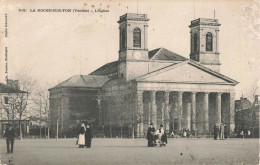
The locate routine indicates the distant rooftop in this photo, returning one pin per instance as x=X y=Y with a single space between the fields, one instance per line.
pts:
x=7 y=89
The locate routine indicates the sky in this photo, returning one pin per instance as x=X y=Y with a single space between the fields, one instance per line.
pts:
x=53 y=46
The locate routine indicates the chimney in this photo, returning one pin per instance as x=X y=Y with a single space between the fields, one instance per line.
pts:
x=241 y=98
x=256 y=99
x=13 y=83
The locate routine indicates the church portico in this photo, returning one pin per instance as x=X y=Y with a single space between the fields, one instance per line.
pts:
x=178 y=110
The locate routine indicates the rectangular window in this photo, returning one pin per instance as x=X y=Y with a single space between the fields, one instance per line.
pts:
x=6 y=100
x=137 y=37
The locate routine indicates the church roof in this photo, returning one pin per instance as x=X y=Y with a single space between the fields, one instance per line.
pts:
x=164 y=54
x=91 y=81
x=108 y=69
x=6 y=89
x=107 y=74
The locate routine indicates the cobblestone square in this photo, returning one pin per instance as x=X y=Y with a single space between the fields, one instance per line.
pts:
x=129 y=151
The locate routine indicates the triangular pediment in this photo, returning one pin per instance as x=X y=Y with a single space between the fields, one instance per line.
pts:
x=186 y=72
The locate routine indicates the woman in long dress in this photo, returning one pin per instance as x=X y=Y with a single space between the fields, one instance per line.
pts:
x=81 y=140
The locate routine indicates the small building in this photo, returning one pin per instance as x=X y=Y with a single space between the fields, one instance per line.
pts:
x=7 y=111
x=247 y=116
x=38 y=127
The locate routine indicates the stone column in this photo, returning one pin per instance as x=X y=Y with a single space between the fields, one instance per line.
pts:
x=232 y=112
x=191 y=43
x=154 y=110
x=206 y=112
x=166 y=112
x=99 y=111
x=217 y=47
x=218 y=108
x=140 y=127
x=189 y=106
x=149 y=112
x=173 y=107
x=162 y=111
x=193 y=110
x=145 y=36
x=179 y=109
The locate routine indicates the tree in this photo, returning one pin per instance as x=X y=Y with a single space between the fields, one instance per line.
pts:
x=10 y=107
x=41 y=101
x=23 y=99
x=252 y=91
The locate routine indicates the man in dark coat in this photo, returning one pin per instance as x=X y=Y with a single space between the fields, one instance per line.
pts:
x=150 y=135
x=88 y=136
x=10 y=135
x=215 y=132
x=218 y=130
x=225 y=131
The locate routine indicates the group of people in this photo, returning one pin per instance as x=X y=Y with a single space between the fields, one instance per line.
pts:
x=245 y=134
x=186 y=133
x=155 y=137
x=84 y=136
x=220 y=131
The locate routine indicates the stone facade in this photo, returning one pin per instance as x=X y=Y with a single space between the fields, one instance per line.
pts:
x=70 y=105
x=159 y=86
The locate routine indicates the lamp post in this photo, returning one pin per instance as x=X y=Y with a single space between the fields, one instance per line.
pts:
x=57 y=129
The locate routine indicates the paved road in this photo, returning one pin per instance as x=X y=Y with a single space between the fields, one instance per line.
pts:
x=128 y=151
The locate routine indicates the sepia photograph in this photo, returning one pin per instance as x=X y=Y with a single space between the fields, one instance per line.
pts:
x=134 y=82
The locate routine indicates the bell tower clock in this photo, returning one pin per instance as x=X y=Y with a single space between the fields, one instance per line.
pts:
x=133 y=41
x=205 y=42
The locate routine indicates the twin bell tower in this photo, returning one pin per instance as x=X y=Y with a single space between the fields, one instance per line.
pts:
x=133 y=50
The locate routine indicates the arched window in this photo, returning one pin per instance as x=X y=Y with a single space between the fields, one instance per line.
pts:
x=122 y=39
x=195 y=43
x=208 y=42
x=137 y=37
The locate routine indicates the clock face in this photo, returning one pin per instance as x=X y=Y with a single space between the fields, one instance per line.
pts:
x=137 y=55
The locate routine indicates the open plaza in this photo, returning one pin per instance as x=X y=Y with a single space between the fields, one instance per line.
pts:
x=132 y=151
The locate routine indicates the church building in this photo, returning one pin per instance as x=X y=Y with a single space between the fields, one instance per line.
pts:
x=156 y=86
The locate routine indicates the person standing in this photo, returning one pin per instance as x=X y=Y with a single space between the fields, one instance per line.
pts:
x=218 y=131
x=222 y=131
x=10 y=135
x=81 y=139
x=188 y=133
x=150 y=135
x=248 y=133
x=184 y=134
x=215 y=132
x=242 y=134
x=225 y=131
x=88 y=136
